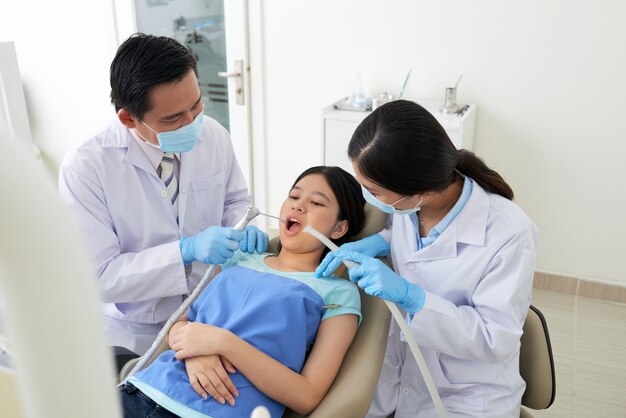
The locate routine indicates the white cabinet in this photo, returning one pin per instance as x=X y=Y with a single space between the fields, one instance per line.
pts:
x=339 y=125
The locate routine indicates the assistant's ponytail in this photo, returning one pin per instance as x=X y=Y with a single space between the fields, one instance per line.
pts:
x=471 y=165
x=403 y=148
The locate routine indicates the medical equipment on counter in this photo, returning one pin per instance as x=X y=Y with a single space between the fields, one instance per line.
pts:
x=449 y=105
x=250 y=214
x=406 y=81
x=395 y=312
x=339 y=125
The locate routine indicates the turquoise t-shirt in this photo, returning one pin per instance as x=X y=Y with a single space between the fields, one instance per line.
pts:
x=277 y=312
x=340 y=295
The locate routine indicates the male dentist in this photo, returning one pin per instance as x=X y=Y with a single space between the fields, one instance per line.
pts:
x=156 y=191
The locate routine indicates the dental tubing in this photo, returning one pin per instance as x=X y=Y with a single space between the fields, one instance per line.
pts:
x=395 y=312
x=250 y=214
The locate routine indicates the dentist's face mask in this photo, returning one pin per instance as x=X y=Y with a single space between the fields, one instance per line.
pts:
x=389 y=208
x=182 y=139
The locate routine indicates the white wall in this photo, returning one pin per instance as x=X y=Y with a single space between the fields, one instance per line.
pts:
x=549 y=78
x=64 y=50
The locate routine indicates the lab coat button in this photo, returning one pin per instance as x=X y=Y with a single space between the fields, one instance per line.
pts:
x=411 y=267
x=405 y=391
x=164 y=193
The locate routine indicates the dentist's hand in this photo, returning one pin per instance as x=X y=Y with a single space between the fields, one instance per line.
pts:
x=254 y=240
x=375 y=278
x=373 y=246
x=214 y=245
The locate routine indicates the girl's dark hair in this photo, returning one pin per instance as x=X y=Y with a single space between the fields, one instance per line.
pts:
x=349 y=196
x=142 y=62
x=401 y=147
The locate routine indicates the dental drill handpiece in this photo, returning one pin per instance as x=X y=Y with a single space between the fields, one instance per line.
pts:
x=251 y=213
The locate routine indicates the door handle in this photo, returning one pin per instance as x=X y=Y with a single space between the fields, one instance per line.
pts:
x=227 y=75
x=237 y=74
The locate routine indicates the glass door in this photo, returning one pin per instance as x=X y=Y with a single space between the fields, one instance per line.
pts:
x=199 y=25
x=216 y=32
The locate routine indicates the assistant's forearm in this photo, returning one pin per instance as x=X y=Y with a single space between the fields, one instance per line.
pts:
x=270 y=376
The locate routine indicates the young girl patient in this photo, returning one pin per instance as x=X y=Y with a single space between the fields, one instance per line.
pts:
x=244 y=342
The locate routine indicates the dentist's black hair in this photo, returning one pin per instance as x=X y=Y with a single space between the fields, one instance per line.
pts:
x=143 y=62
x=349 y=196
x=401 y=147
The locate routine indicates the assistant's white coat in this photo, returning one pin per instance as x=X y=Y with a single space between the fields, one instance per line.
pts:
x=478 y=280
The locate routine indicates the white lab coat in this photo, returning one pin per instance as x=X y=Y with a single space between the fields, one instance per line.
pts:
x=478 y=279
x=126 y=215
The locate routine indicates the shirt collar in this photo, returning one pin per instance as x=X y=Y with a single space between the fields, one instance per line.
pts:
x=438 y=229
x=456 y=209
x=153 y=154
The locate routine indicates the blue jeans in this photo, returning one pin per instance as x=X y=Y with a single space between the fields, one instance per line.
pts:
x=136 y=404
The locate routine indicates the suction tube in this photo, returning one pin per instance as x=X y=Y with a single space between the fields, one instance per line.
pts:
x=395 y=312
x=250 y=214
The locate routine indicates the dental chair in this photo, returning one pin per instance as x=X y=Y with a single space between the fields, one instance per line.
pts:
x=363 y=362
x=536 y=364
x=350 y=394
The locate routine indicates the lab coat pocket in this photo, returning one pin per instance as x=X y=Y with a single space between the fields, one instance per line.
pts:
x=141 y=312
x=459 y=372
x=457 y=381
x=208 y=195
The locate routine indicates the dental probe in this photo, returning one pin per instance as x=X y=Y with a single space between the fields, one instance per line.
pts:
x=272 y=216
x=250 y=214
x=395 y=312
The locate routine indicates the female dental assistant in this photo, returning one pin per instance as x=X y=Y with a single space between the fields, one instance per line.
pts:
x=463 y=255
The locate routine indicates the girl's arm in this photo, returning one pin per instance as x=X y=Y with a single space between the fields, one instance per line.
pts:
x=173 y=334
x=184 y=318
x=300 y=392
x=207 y=374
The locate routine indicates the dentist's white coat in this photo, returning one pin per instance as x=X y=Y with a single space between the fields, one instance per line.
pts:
x=125 y=213
x=478 y=280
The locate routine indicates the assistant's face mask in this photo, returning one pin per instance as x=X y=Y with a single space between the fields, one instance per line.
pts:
x=389 y=208
x=182 y=139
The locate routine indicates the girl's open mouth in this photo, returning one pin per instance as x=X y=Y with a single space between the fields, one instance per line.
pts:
x=292 y=226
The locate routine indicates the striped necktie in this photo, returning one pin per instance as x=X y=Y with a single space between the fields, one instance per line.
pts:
x=169 y=179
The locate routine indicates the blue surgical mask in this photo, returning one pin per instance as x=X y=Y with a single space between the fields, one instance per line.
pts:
x=182 y=139
x=389 y=208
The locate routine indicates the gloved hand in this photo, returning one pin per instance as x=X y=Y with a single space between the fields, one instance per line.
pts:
x=375 y=278
x=254 y=240
x=214 y=245
x=373 y=246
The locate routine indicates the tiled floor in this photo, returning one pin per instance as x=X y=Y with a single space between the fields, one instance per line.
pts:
x=589 y=346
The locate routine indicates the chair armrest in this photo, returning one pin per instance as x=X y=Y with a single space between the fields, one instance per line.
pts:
x=352 y=390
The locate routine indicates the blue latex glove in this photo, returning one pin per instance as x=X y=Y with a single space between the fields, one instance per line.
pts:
x=375 y=278
x=254 y=240
x=214 y=245
x=373 y=246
